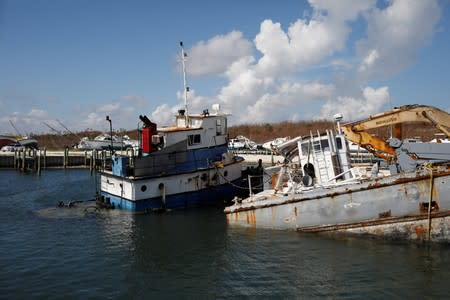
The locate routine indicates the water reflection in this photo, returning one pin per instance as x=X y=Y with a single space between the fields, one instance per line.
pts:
x=190 y=254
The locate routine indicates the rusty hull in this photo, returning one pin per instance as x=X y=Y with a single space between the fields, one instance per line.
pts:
x=389 y=207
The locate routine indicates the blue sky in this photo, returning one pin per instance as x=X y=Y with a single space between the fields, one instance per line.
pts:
x=262 y=61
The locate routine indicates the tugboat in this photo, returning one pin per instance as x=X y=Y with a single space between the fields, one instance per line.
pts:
x=179 y=166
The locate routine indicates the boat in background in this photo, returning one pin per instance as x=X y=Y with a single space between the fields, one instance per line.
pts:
x=11 y=144
x=106 y=141
x=179 y=166
x=241 y=142
x=326 y=194
x=6 y=140
x=271 y=145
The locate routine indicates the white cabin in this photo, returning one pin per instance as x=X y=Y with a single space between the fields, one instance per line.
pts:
x=201 y=131
x=325 y=157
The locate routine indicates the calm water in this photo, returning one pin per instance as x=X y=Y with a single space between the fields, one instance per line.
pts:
x=48 y=252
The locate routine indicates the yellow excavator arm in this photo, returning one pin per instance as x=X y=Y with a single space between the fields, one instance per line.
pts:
x=357 y=131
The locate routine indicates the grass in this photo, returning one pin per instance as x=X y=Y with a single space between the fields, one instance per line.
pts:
x=258 y=133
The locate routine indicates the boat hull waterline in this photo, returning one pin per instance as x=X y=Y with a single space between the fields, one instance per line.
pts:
x=203 y=187
x=390 y=207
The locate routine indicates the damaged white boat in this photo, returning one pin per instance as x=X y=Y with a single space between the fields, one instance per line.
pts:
x=329 y=195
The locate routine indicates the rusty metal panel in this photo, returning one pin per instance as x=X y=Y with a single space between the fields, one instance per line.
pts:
x=377 y=207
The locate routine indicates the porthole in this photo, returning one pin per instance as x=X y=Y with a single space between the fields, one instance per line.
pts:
x=143 y=188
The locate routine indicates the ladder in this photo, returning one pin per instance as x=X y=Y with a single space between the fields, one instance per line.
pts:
x=319 y=158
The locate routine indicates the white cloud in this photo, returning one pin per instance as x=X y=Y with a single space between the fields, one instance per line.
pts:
x=109 y=108
x=163 y=115
x=93 y=121
x=371 y=101
x=26 y=122
x=215 y=55
x=369 y=60
x=276 y=82
x=37 y=113
x=287 y=102
x=267 y=90
x=341 y=64
x=307 y=41
x=122 y=112
x=397 y=32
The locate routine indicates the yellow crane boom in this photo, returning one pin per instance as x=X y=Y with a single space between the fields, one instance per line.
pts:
x=357 y=131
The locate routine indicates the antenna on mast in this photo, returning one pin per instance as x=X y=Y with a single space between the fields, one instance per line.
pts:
x=186 y=88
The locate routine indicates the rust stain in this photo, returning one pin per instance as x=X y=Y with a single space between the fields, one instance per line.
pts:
x=295 y=211
x=385 y=214
x=274 y=180
x=378 y=231
x=384 y=221
x=377 y=184
x=420 y=231
x=374 y=185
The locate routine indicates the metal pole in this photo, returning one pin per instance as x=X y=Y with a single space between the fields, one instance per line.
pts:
x=45 y=158
x=39 y=163
x=110 y=132
x=430 y=202
x=186 y=88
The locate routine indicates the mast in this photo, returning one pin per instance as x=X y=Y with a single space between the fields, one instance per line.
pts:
x=186 y=88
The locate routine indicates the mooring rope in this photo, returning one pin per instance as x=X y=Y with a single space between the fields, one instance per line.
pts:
x=240 y=187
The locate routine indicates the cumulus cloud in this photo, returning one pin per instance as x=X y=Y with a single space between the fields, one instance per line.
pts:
x=370 y=101
x=109 y=107
x=341 y=64
x=163 y=114
x=25 y=122
x=286 y=102
x=307 y=41
x=369 y=61
x=215 y=55
x=265 y=89
x=395 y=34
x=269 y=88
x=37 y=113
x=269 y=78
x=93 y=120
x=122 y=112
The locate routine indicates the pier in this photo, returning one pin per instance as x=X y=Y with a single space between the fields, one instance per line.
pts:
x=36 y=160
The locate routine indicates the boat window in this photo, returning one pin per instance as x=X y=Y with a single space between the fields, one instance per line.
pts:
x=324 y=144
x=314 y=146
x=218 y=127
x=339 y=143
x=305 y=148
x=194 y=139
x=195 y=122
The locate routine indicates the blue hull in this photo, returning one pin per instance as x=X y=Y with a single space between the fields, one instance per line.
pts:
x=217 y=195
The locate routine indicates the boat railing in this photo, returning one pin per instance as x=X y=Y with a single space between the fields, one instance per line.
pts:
x=249 y=151
x=171 y=163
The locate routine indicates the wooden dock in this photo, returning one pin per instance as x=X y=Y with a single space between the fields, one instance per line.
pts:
x=38 y=159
